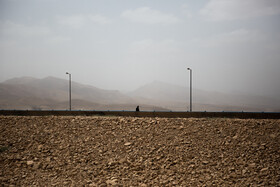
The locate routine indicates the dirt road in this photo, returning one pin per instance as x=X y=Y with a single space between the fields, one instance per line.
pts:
x=127 y=151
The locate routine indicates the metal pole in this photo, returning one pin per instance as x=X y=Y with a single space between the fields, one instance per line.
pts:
x=190 y=89
x=69 y=90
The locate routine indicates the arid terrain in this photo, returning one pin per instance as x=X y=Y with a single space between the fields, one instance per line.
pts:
x=128 y=151
x=51 y=93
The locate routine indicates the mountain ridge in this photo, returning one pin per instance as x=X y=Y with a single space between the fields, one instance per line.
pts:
x=52 y=93
x=163 y=94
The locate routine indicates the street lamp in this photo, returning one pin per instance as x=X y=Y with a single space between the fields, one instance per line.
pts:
x=69 y=90
x=190 y=89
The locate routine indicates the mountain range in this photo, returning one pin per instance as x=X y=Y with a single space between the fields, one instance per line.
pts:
x=52 y=93
x=177 y=98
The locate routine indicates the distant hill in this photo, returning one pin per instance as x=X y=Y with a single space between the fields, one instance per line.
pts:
x=57 y=89
x=52 y=93
x=177 y=98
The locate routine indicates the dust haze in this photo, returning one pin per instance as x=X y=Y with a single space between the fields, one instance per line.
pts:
x=233 y=48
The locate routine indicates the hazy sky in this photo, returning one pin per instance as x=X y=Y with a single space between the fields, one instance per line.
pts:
x=231 y=45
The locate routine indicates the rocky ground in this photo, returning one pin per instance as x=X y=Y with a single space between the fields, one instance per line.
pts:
x=127 y=151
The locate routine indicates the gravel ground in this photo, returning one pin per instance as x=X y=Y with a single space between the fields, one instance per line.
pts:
x=127 y=151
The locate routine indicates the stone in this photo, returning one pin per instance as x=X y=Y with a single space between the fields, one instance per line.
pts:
x=112 y=181
x=37 y=165
x=205 y=162
x=30 y=162
x=252 y=165
x=40 y=147
x=134 y=152
x=255 y=145
x=264 y=169
x=93 y=184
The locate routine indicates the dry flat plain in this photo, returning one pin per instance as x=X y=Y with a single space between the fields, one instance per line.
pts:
x=128 y=151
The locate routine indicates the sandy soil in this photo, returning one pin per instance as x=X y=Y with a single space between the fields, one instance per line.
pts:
x=127 y=151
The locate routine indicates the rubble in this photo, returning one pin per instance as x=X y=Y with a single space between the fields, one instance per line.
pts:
x=128 y=151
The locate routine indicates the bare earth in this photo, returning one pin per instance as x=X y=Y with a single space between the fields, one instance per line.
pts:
x=127 y=151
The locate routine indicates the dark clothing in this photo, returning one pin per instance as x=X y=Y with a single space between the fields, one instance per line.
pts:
x=137 y=109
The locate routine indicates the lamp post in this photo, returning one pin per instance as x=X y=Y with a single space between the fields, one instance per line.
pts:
x=69 y=90
x=190 y=89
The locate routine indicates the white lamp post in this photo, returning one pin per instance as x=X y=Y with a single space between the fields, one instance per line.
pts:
x=190 y=89
x=69 y=90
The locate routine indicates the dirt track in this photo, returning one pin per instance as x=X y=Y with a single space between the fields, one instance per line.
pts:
x=127 y=151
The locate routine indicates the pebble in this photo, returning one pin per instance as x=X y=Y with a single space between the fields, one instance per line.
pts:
x=40 y=147
x=126 y=151
x=48 y=159
x=29 y=163
x=112 y=181
x=205 y=162
x=252 y=165
x=264 y=169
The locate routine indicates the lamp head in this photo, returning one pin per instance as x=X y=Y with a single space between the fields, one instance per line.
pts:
x=67 y=73
x=189 y=68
